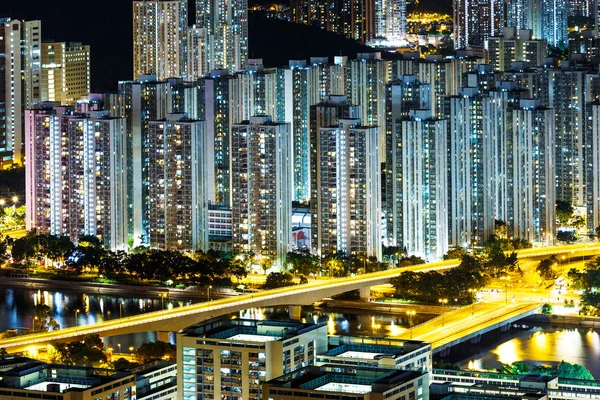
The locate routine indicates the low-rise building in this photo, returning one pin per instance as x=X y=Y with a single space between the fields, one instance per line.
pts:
x=65 y=382
x=156 y=380
x=345 y=382
x=229 y=359
x=377 y=352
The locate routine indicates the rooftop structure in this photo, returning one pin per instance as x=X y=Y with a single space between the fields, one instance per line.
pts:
x=389 y=353
x=359 y=382
x=52 y=381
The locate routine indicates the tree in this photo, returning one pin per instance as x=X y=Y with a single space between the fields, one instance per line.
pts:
x=547 y=309
x=573 y=371
x=87 y=352
x=44 y=321
x=265 y=263
x=597 y=230
x=455 y=253
x=278 y=279
x=158 y=350
x=122 y=364
x=546 y=268
x=516 y=368
x=564 y=211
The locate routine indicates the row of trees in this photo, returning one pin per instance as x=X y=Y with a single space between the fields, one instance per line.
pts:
x=588 y=282
x=457 y=285
x=90 y=351
x=563 y=370
x=141 y=264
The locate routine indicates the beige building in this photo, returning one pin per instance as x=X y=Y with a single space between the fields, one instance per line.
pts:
x=65 y=72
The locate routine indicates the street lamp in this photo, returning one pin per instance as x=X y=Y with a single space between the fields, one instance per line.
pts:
x=76 y=312
x=208 y=293
x=443 y=302
x=506 y=279
x=2 y=202
x=472 y=292
x=162 y=299
x=131 y=349
x=121 y=309
x=34 y=319
x=119 y=344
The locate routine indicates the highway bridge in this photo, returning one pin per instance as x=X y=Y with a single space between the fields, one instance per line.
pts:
x=295 y=296
x=469 y=323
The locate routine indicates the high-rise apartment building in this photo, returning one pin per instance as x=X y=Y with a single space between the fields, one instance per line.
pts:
x=533 y=187
x=498 y=110
x=144 y=100
x=220 y=113
x=525 y=14
x=76 y=175
x=346 y=201
x=300 y=86
x=20 y=79
x=563 y=89
x=554 y=22
x=592 y=165
x=160 y=38
x=351 y=18
x=226 y=358
x=402 y=96
x=420 y=170
x=261 y=175
x=471 y=219
x=179 y=165
x=197 y=53
x=515 y=46
x=475 y=21
x=366 y=78
x=225 y=26
x=390 y=23
x=65 y=72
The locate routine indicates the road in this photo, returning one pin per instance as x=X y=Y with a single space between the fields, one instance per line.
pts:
x=15 y=234
x=469 y=320
x=301 y=294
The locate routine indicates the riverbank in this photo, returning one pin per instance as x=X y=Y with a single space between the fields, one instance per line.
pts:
x=576 y=320
x=115 y=289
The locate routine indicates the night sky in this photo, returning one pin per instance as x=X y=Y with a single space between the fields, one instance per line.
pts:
x=103 y=24
x=106 y=25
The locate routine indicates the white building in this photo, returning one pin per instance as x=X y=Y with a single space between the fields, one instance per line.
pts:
x=470 y=209
x=160 y=38
x=422 y=204
x=346 y=202
x=592 y=166
x=20 y=65
x=225 y=25
x=533 y=184
x=179 y=161
x=75 y=178
x=261 y=171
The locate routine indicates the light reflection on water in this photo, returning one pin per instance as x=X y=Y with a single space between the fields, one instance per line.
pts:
x=545 y=345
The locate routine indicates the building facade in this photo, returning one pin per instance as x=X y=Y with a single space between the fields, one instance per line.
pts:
x=160 y=38
x=533 y=180
x=65 y=72
x=232 y=358
x=476 y=21
x=179 y=159
x=20 y=77
x=76 y=177
x=261 y=166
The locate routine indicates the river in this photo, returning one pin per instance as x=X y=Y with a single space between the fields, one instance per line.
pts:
x=544 y=344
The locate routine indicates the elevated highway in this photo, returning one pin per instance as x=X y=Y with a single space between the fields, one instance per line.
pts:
x=469 y=323
x=294 y=296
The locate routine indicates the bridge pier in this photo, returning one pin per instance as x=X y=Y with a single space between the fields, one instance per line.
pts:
x=295 y=312
x=505 y=328
x=476 y=339
x=163 y=336
x=365 y=293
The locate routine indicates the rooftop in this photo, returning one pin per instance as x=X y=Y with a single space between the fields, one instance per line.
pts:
x=337 y=378
x=42 y=377
x=249 y=330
